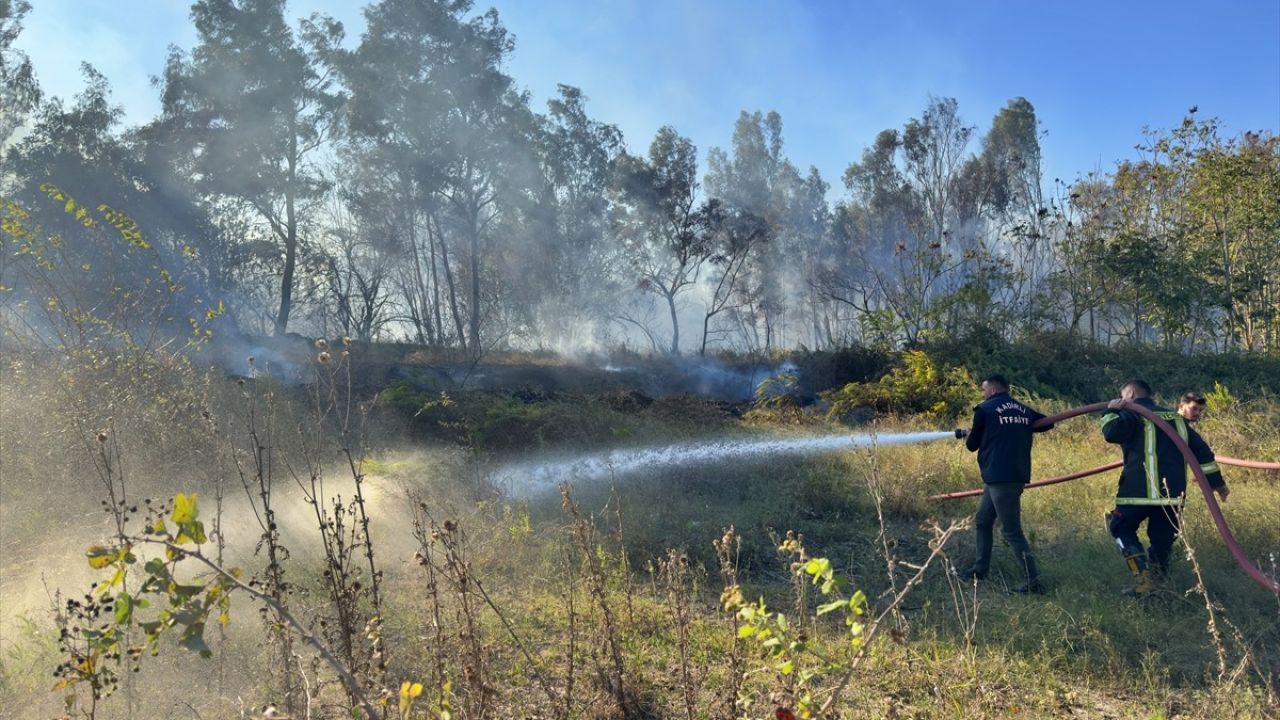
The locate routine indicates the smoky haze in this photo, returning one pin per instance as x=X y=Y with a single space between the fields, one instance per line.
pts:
x=391 y=182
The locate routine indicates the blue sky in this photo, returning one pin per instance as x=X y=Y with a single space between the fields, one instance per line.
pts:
x=838 y=72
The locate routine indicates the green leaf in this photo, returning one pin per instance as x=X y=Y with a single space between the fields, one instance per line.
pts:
x=124 y=608
x=746 y=631
x=817 y=566
x=825 y=608
x=786 y=668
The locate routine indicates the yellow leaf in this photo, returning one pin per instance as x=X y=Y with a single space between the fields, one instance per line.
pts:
x=99 y=557
x=415 y=690
x=184 y=508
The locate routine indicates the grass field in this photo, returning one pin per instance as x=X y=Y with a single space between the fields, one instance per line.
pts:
x=610 y=602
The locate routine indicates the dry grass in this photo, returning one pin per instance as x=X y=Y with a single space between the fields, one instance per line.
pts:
x=1078 y=651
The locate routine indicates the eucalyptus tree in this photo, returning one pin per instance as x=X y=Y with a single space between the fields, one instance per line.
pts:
x=666 y=234
x=19 y=91
x=252 y=107
x=1076 y=284
x=736 y=236
x=751 y=181
x=904 y=241
x=433 y=109
x=577 y=282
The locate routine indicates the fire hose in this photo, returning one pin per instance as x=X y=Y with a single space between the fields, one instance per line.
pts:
x=1215 y=510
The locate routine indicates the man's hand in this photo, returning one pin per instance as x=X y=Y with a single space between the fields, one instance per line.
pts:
x=961 y=433
x=1115 y=404
x=1223 y=492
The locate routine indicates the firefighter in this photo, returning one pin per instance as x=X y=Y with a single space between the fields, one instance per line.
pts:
x=1001 y=434
x=1152 y=482
x=1191 y=406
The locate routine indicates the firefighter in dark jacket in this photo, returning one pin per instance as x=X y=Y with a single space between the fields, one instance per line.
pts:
x=1001 y=434
x=1152 y=483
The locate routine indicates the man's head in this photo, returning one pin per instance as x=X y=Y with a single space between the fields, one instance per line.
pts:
x=994 y=385
x=1135 y=389
x=1191 y=406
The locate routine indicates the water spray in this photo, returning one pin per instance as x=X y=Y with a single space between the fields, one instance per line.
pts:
x=530 y=478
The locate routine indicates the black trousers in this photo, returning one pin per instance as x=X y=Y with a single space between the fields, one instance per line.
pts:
x=1162 y=527
x=1003 y=501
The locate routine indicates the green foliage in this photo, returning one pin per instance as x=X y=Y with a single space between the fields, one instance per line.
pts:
x=99 y=631
x=1074 y=369
x=916 y=386
x=777 y=401
x=1221 y=398
x=784 y=646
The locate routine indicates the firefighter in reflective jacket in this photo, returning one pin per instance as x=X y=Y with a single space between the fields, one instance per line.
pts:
x=1152 y=482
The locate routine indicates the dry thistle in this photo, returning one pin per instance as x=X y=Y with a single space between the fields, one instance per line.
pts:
x=323 y=358
x=322 y=344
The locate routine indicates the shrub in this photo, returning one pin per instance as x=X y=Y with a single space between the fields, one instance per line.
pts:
x=916 y=386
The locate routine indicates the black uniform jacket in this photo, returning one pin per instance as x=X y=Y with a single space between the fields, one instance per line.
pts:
x=1001 y=434
x=1155 y=473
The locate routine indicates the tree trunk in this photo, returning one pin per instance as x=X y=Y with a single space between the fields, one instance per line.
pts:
x=675 y=323
x=453 y=290
x=475 y=288
x=291 y=237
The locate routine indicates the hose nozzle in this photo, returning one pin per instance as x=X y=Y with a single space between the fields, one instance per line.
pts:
x=961 y=433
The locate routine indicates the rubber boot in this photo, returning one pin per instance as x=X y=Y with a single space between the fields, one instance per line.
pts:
x=1032 y=584
x=1143 y=583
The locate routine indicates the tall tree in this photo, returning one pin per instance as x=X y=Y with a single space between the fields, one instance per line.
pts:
x=902 y=251
x=667 y=235
x=431 y=102
x=751 y=181
x=253 y=104
x=1236 y=221
x=19 y=92
x=578 y=156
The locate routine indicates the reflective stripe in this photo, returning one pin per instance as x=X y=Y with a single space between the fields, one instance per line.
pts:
x=1152 y=462
x=1149 y=501
x=1181 y=426
x=1210 y=468
x=1106 y=419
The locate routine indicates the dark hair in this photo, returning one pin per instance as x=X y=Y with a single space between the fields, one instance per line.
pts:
x=1191 y=397
x=1140 y=387
x=997 y=380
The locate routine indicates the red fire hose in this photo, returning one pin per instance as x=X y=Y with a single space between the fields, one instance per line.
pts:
x=1214 y=510
x=1038 y=483
x=1221 y=460
x=1255 y=464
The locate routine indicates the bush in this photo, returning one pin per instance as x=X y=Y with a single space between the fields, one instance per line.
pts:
x=918 y=386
